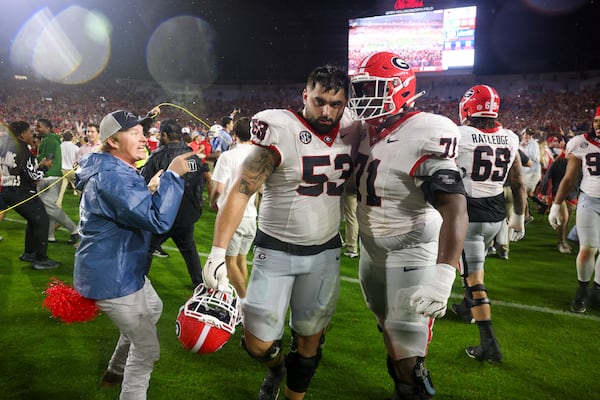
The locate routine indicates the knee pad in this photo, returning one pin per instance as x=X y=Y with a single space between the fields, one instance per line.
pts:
x=300 y=370
x=481 y=301
x=272 y=357
x=391 y=370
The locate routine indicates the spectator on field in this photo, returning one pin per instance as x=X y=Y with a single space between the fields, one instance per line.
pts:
x=200 y=144
x=546 y=154
x=223 y=177
x=551 y=180
x=19 y=191
x=49 y=185
x=69 y=152
x=93 y=141
x=223 y=140
x=531 y=175
x=119 y=213
x=172 y=144
x=153 y=140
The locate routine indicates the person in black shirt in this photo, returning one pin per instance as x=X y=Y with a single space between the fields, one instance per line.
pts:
x=549 y=187
x=190 y=210
x=20 y=172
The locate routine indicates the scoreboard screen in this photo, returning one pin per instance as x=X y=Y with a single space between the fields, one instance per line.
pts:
x=430 y=41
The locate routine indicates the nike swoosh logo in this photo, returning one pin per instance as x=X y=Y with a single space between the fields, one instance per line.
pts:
x=392 y=141
x=343 y=136
x=408 y=269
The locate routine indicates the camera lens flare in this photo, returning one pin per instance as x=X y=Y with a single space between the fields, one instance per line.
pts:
x=72 y=47
x=181 y=49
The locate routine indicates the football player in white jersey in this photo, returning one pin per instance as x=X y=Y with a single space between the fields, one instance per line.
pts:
x=222 y=179
x=303 y=159
x=583 y=157
x=411 y=213
x=488 y=155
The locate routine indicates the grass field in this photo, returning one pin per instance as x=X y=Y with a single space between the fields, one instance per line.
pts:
x=550 y=353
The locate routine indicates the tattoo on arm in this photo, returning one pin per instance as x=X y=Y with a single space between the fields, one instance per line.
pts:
x=256 y=169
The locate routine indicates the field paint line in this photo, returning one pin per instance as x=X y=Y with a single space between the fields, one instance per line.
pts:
x=19 y=221
x=501 y=303
x=24 y=222
x=542 y=309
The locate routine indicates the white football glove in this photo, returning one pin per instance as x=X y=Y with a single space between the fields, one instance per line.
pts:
x=554 y=215
x=214 y=272
x=431 y=299
x=516 y=227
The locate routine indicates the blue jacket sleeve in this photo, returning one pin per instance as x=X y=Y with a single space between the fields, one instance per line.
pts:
x=133 y=206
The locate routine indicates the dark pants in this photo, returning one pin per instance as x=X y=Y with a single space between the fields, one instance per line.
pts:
x=36 y=233
x=183 y=236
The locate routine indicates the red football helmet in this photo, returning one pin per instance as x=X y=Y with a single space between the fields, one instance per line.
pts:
x=208 y=319
x=383 y=85
x=479 y=101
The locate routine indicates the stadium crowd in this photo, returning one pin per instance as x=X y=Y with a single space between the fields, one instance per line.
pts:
x=548 y=104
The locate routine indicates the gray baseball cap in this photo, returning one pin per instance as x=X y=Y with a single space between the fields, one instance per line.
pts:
x=119 y=121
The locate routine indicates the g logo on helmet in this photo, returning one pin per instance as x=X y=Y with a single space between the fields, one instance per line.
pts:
x=207 y=321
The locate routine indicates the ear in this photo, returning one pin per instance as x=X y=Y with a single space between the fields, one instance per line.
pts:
x=113 y=142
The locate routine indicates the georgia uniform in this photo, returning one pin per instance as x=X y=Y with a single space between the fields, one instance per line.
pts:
x=587 y=148
x=297 y=253
x=399 y=229
x=485 y=157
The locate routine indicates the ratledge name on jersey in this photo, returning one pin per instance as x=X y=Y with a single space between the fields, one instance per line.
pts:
x=490 y=139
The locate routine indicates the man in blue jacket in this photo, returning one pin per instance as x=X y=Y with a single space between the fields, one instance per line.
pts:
x=118 y=214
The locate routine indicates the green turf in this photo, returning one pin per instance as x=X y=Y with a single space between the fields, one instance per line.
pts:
x=549 y=352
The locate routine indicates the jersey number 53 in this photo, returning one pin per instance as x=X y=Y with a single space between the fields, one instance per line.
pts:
x=317 y=183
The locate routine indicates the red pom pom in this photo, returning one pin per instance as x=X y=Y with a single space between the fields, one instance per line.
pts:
x=65 y=303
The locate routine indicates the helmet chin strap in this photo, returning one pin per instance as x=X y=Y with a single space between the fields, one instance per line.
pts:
x=377 y=122
x=415 y=97
x=381 y=122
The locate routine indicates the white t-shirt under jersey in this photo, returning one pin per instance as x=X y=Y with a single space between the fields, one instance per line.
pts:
x=225 y=172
